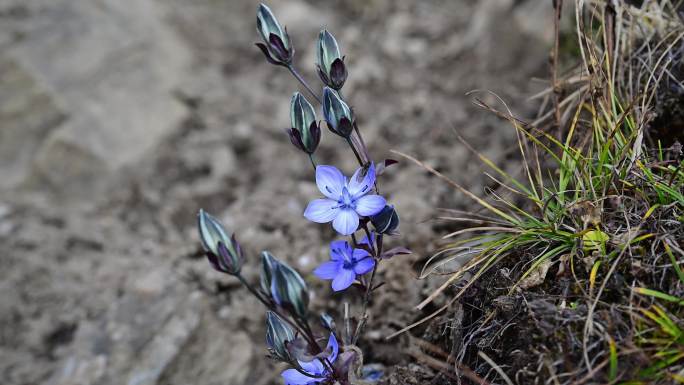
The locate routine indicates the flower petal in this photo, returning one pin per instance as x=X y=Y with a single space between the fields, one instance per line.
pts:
x=328 y=270
x=359 y=254
x=340 y=251
x=346 y=221
x=359 y=186
x=370 y=205
x=293 y=377
x=333 y=345
x=314 y=367
x=321 y=210
x=330 y=181
x=364 y=266
x=343 y=280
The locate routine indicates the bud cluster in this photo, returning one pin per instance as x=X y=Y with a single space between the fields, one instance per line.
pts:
x=351 y=204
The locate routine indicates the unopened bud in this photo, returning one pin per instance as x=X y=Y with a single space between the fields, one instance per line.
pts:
x=330 y=63
x=278 y=335
x=386 y=221
x=276 y=46
x=223 y=251
x=305 y=133
x=289 y=290
x=337 y=113
x=268 y=264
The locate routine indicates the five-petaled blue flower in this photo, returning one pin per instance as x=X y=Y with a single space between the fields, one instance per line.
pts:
x=346 y=200
x=346 y=263
x=317 y=371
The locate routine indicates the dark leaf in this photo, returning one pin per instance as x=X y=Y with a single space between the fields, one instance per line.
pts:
x=315 y=132
x=295 y=138
x=381 y=284
x=322 y=75
x=382 y=166
x=395 y=251
x=266 y=53
x=280 y=51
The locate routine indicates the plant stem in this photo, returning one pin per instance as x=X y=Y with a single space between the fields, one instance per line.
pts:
x=313 y=162
x=297 y=368
x=356 y=153
x=303 y=82
x=308 y=334
x=254 y=291
x=306 y=331
x=347 y=325
x=363 y=144
x=370 y=241
x=369 y=286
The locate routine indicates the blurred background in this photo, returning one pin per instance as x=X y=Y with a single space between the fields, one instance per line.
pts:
x=120 y=119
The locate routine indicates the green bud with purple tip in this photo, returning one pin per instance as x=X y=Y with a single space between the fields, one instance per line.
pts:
x=276 y=44
x=329 y=62
x=278 y=335
x=337 y=113
x=289 y=290
x=223 y=251
x=305 y=133
x=268 y=264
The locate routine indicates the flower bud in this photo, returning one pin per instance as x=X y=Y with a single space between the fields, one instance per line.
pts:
x=288 y=289
x=278 y=334
x=337 y=113
x=330 y=63
x=276 y=46
x=386 y=221
x=223 y=252
x=305 y=133
x=268 y=264
x=328 y=322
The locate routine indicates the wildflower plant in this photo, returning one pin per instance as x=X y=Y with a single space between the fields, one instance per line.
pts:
x=353 y=205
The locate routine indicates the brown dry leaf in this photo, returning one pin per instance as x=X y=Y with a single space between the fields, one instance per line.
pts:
x=537 y=276
x=564 y=259
x=587 y=211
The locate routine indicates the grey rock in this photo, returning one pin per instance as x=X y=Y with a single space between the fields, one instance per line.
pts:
x=137 y=339
x=218 y=354
x=28 y=113
x=113 y=66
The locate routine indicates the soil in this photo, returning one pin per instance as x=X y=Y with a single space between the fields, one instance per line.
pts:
x=104 y=283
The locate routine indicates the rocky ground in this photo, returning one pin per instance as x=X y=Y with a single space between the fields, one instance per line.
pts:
x=119 y=120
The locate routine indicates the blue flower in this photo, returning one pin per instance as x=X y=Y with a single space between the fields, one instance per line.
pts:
x=346 y=200
x=346 y=263
x=315 y=368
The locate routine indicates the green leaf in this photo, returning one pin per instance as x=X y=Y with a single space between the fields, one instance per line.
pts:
x=595 y=240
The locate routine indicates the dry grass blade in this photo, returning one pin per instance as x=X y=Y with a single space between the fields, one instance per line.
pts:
x=495 y=367
x=466 y=371
x=458 y=187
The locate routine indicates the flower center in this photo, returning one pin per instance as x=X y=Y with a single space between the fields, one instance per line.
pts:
x=346 y=201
